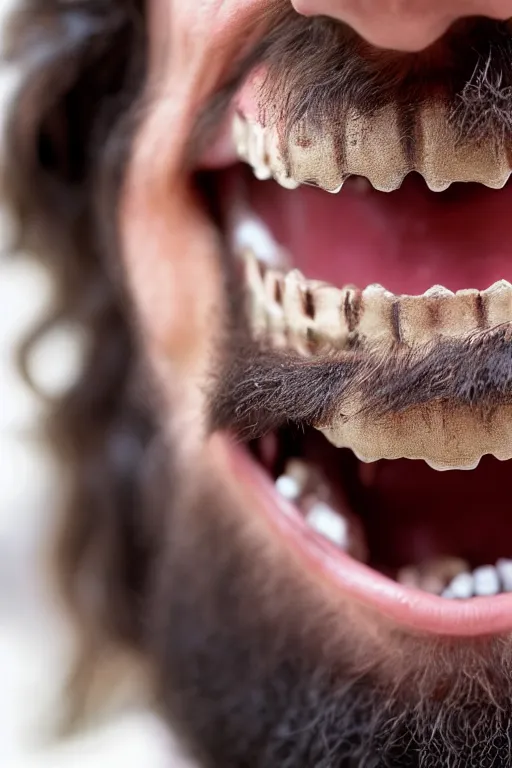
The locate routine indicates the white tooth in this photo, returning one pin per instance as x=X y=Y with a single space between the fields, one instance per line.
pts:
x=324 y=520
x=486 y=581
x=504 y=569
x=248 y=232
x=288 y=487
x=448 y=593
x=461 y=586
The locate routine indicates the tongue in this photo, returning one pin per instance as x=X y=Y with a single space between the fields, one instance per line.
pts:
x=407 y=240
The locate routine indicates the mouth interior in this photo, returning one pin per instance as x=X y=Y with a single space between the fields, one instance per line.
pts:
x=404 y=519
x=424 y=528
x=407 y=240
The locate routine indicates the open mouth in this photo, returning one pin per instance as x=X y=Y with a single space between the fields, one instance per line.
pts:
x=387 y=311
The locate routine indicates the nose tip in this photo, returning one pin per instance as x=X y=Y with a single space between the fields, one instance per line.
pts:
x=403 y=25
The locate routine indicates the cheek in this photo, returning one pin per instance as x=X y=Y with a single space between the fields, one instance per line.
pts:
x=171 y=250
x=171 y=254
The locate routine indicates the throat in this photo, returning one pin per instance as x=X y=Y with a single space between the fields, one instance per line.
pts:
x=407 y=240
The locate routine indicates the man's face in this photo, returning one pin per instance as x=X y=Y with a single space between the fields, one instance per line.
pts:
x=317 y=609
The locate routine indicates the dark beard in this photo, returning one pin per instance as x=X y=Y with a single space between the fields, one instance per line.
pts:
x=252 y=673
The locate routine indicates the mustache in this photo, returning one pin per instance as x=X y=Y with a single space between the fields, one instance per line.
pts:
x=320 y=69
x=260 y=390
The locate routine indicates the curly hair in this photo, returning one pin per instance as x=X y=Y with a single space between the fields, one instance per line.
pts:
x=69 y=129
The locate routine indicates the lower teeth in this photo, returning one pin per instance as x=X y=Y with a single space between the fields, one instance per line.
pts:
x=482 y=582
x=305 y=486
x=450 y=577
x=433 y=575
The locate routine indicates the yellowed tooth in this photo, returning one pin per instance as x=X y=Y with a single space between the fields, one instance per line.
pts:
x=276 y=319
x=442 y=433
x=377 y=147
x=432 y=575
x=258 y=304
x=497 y=303
x=329 y=321
x=438 y=291
x=378 y=317
x=377 y=314
x=444 y=467
x=309 y=317
x=256 y=153
x=297 y=300
x=439 y=312
x=319 y=167
x=277 y=164
x=240 y=136
x=264 y=300
x=374 y=147
x=443 y=157
x=362 y=458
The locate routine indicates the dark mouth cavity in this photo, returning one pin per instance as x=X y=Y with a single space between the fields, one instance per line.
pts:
x=408 y=521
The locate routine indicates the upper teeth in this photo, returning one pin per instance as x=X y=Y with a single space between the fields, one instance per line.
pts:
x=373 y=314
x=374 y=147
x=446 y=434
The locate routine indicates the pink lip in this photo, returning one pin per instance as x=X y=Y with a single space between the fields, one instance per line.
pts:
x=410 y=608
x=222 y=152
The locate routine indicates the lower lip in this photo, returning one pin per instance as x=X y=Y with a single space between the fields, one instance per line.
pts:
x=410 y=608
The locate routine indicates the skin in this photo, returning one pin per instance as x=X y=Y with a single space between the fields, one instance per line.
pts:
x=403 y=25
x=181 y=303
